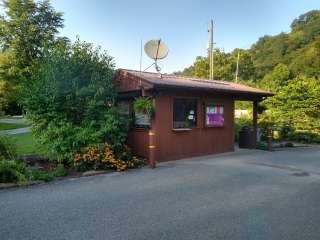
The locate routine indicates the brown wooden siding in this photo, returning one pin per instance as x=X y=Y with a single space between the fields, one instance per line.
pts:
x=201 y=140
x=138 y=140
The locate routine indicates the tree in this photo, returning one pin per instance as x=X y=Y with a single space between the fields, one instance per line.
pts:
x=296 y=104
x=26 y=29
x=246 y=66
x=278 y=77
x=70 y=100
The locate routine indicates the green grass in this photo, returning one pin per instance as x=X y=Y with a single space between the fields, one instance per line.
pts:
x=8 y=126
x=26 y=144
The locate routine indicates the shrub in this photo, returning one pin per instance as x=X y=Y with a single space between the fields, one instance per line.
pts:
x=101 y=156
x=289 y=144
x=261 y=146
x=12 y=171
x=42 y=175
x=304 y=136
x=36 y=174
x=7 y=148
x=70 y=100
x=59 y=171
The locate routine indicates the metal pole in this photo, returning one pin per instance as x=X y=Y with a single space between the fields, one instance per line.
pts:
x=210 y=49
x=237 y=69
x=255 y=123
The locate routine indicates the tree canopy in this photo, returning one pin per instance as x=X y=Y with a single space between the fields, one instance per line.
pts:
x=26 y=29
x=70 y=100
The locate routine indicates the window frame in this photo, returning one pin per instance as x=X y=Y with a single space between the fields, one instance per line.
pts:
x=213 y=104
x=196 y=113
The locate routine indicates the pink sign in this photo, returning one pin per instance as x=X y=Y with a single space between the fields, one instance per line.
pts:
x=215 y=115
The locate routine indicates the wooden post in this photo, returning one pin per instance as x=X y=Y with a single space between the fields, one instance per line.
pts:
x=269 y=138
x=255 y=123
x=152 y=149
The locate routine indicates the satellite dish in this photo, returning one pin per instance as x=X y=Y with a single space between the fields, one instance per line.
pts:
x=156 y=49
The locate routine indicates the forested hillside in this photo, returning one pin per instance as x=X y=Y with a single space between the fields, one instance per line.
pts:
x=287 y=64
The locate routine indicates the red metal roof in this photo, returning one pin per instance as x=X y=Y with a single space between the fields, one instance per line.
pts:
x=177 y=81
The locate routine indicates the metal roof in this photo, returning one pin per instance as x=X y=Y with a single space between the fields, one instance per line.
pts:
x=176 y=81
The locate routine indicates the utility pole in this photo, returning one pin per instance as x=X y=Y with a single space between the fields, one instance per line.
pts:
x=237 y=69
x=210 y=49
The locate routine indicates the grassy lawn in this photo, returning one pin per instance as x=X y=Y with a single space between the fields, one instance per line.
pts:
x=8 y=126
x=26 y=144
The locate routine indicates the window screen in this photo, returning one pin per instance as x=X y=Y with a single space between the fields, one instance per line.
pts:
x=184 y=113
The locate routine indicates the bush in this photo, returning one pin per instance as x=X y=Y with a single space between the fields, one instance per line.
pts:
x=289 y=144
x=59 y=171
x=262 y=146
x=7 y=148
x=304 y=136
x=36 y=174
x=12 y=171
x=101 y=156
x=71 y=101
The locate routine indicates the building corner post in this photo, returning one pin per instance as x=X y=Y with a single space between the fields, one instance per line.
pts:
x=152 y=149
x=255 y=123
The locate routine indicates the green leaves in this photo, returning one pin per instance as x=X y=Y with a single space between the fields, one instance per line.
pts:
x=68 y=99
x=144 y=105
x=27 y=28
x=296 y=104
x=224 y=66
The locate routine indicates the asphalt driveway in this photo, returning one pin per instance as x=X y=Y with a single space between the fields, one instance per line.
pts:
x=244 y=195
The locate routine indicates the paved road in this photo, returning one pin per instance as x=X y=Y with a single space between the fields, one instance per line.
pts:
x=15 y=121
x=16 y=131
x=246 y=195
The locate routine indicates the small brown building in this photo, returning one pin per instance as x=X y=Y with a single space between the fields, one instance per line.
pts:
x=192 y=117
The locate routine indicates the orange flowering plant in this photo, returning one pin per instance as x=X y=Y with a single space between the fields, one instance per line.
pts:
x=101 y=156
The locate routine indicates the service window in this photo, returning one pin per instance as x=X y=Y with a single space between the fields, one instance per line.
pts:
x=214 y=115
x=124 y=108
x=184 y=113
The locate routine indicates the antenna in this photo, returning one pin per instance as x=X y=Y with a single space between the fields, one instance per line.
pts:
x=210 y=49
x=157 y=50
x=237 y=69
x=140 y=55
x=140 y=61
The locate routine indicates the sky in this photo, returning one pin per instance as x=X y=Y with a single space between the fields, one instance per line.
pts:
x=119 y=26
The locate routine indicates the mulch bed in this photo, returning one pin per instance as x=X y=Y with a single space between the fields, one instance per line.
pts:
x=44 y=164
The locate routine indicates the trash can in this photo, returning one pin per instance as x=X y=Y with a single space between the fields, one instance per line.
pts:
x=245 y=137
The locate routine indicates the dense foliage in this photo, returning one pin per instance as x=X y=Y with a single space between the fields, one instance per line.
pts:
x=70 y=100
x=287 y=64
x=7 y=148
x=101 y=156
x=144 y=105
x=27 y=28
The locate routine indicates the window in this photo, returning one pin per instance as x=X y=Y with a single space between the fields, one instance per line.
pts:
x=124 y=108
x=184 y=113
x=214 y=115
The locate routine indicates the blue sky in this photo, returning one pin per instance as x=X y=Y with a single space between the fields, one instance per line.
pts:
x=119 y=25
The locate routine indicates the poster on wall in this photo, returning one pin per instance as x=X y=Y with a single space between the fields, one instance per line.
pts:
x=214 y=115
